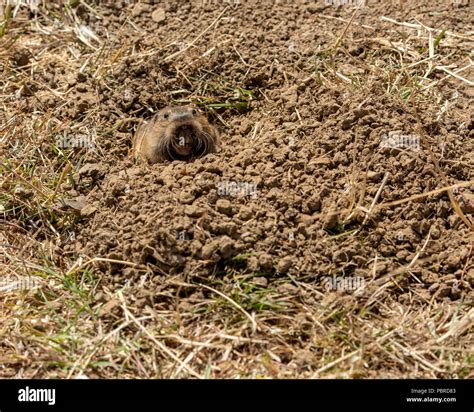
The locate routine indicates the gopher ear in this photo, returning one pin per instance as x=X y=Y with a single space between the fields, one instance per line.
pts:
x=138 y=147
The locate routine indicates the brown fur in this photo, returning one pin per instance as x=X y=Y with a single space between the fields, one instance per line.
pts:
x=175 y=133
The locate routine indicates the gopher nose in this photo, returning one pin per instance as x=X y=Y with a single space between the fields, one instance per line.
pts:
x=184 y=130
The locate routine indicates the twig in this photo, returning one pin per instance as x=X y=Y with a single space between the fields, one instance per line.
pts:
x=453 y=74
x=79 y=265
x=422 y=195
x=254 y=323
x=377 y=195
x=99 y=345
x=418 y=27
x=154 y=340
x=446 y=77
x=459 y=327
x=339 y=39
x=172 y=56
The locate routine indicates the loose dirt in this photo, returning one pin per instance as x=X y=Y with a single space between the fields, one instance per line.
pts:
x=323 y=124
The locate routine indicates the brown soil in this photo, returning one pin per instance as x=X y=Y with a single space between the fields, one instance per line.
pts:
x=288 y=198
x=277 y=192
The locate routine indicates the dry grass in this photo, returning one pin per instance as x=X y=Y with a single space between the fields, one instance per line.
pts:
x=75 y=323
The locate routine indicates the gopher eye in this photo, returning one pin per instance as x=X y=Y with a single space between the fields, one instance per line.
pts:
x=166 y=115
x=195 y=112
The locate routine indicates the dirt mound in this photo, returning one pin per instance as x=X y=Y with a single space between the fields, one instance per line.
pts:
x=280 y=197
x=321 y=238
x=292 y=188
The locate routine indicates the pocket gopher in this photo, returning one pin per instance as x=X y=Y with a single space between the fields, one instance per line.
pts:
x=175 y=133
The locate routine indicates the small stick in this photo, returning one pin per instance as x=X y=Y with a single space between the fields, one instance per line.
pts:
x=160 y=345
x=444 y=69
x=446 y=77
x=66 y=169
x=172 y=56
x=240 y=308
x=422 y=195
x=338 y=41
x=418 y=27
x=377 y=195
